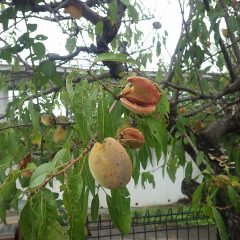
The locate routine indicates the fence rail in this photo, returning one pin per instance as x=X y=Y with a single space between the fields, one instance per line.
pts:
x=183 y=224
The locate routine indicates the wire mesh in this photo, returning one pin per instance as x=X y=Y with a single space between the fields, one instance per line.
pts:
x=183 y=224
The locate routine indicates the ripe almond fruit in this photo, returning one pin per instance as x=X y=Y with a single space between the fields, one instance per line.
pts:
x=46 y=119
x=110 y=164
x=59 y=134
x=74 y=10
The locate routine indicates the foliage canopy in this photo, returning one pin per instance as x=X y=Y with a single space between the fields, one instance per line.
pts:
x=198 y=112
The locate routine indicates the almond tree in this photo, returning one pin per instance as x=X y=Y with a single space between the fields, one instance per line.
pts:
x=189 y=106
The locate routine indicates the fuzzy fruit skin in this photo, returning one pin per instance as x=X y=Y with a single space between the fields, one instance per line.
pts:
x=74 y=10
x=110 y=164
x=59 y=134
x=131 y=137
x=141 y=95
x=46 y=120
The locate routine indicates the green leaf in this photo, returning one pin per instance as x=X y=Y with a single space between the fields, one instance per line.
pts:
x=6 y=54
x=41 y=173
x=35 y=115
x=41 y=37
x=32 y=27
x=114 y=57
x=197 y=197
x=73 y=200
x=6 y=15
x=95 y=208
x=233 y=23
x=220 y=224
x=233 y=196
x=163 y=106
x=74 y=186
x=104 y=117
x=143 y=156
x=147 y=177
x=69 y=87
x=80 y=108
x=188 y=171
x=172 y=166
x=39 y=215
x=126 y=2
x=62 y=156
x=48 y=68
x=87 y=176
x=4 y=163
x=99 y=28
x=39 y=49
x=119 y=209
x=136 y=168
x=113 y=11
x=26 y=40
x=200 y=158
x=8 y=191
x=158 y=130
x=132 y=13
x=57 y=232
x=71 y=44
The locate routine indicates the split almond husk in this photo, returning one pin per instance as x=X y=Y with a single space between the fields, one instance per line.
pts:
x=131 y=137
x=141 y=95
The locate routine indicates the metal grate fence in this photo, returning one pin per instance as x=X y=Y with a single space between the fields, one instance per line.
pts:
x=183 y=224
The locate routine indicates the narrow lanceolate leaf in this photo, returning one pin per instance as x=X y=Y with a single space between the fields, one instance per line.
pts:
x=104 y=117
x=220 y=224
x=62 y=156
x=113 y=57
x=41 y=173
x=69 y=87
x=35 y=115
x=158 y=130
x=119 y=209
x=74 y=201
x=80 y=108
x=87 y=177
x=233 y=196
x=8 y=191
x=163 y=106
x=188 y=171
x=197 y=197
x=57 y=232
x=95 y=207
x=39 y=216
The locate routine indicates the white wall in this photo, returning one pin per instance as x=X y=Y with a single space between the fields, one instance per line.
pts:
x=3 y=101
x=165 y=191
